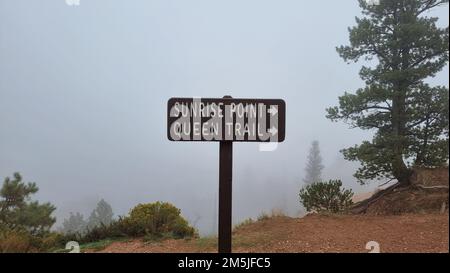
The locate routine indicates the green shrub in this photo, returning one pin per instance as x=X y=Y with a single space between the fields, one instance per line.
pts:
x=157 y=219
x=325 y=196
x=24 y=224
x=113 y=230
x=153 y=221
x=19 y=211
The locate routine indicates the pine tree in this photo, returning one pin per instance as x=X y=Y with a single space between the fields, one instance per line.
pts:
x=314 y=165
x=325 y=196
x=408 y=116
x=102 y=214
x=17 y=211
x=74 y=224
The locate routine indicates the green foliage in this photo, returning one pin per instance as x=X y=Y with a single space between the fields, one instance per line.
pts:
x=36 y=217
x=409 y=117
x=17 y=211
x=154 y=221
x=158 y=218
x=314 y=165
x=115 y=229
x=325 y=197
x=25 y=224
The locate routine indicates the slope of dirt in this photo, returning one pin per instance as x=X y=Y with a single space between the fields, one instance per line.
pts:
x=319 y=233
x=427 y=193
x=411 y=200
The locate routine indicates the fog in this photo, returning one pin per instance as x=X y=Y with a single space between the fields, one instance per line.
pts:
x=84 y=90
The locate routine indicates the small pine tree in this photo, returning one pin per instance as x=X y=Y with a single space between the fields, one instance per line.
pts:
x=325 y=196
x=314 y=165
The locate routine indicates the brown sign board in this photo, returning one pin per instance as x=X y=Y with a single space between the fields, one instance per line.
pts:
x=226 y=119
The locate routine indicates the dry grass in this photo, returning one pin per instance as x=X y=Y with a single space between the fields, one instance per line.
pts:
x=14 y=242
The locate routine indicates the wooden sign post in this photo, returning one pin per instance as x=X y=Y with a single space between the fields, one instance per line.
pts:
x=226 y=120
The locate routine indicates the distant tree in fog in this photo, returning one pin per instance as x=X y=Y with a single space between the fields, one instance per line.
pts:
x=102 y=214
x=314 y=165
x=74 y=224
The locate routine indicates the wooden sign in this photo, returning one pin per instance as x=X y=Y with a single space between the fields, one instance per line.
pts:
x=226 y=119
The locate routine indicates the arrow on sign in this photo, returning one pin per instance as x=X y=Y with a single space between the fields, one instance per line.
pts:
x=273 y=131
x=273 y=110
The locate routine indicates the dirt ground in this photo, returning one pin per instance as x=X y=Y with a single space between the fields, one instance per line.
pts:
x=318 y=233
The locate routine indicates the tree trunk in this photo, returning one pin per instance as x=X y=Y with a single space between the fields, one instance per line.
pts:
x=401 y=172
x=399 y=169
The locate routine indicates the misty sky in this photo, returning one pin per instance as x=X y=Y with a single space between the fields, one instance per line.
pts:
x=84 y=90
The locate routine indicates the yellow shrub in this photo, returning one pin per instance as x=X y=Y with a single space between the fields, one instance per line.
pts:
x=157 y=218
